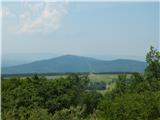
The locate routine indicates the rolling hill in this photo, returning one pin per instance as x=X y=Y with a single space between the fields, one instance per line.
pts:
x=72 y=63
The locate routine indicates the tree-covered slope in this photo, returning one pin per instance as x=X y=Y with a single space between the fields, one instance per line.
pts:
x=70 y=63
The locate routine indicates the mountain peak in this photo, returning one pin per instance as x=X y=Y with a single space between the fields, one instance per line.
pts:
x=69 y=55
x=74 y=57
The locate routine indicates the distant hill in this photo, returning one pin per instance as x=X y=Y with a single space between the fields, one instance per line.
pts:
x=72 y=63
x=12 y=59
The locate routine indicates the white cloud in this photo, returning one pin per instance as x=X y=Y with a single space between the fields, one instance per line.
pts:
x=42 y=17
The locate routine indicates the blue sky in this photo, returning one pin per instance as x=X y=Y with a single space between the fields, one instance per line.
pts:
x=80 y=28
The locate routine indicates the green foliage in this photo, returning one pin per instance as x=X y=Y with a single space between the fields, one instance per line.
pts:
x=121 y=85
x=67 y=98
x=38 y=94
x=152 y=72
x=137 y=98
x=69 y=114
x=26 y=113
x=153 y=60
x=90 y=101
x=131 y=107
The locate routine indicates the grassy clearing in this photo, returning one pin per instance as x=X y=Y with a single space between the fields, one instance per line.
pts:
x=103 y=77
x=55 y=76
x=107 y=78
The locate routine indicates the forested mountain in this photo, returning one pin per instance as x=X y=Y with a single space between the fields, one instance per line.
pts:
x=72 y=63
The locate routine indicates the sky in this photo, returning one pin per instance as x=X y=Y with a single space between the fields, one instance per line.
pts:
x=80 y=28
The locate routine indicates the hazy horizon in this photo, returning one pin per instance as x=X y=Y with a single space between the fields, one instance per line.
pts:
x=18 y=59
x=104 y=30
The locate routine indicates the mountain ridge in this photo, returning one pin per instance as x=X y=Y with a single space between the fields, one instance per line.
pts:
x=74 y=63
